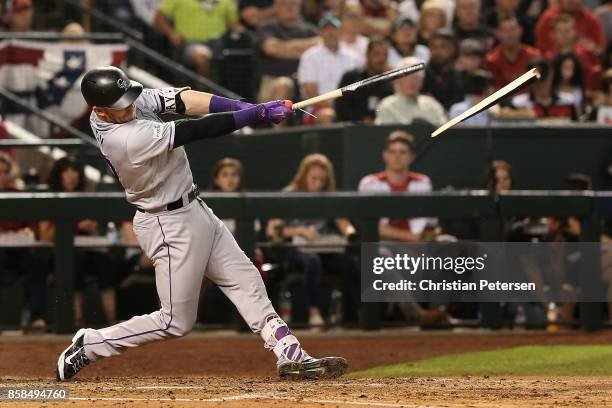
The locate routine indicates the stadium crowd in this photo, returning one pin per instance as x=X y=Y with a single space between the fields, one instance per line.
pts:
x=301 y=48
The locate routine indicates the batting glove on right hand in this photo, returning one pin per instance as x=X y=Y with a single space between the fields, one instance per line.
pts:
x=277 y=111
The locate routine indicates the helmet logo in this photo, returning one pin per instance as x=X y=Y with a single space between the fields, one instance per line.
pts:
x=123 y=84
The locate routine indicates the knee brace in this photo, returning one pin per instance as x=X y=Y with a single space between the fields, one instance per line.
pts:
x=280 y=340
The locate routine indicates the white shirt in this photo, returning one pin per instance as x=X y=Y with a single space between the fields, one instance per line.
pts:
x=420 y=51
x=398 y=108
x=141 y=152
x=359 y=48
x=415 y=183
x=324 y=67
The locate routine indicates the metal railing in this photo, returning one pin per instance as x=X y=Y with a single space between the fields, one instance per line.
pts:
x=364 y=209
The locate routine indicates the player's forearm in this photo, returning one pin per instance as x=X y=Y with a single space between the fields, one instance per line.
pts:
x=215 y=125
x=202 y=103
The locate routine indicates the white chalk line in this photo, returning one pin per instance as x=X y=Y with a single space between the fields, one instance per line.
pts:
x=249 y=397
x=202 y=387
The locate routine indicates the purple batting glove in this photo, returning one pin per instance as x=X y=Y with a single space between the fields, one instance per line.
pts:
x=277 y=111
x=243 y=104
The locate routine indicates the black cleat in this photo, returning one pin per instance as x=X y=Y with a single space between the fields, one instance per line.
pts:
x=313 y=368
x=73 y=359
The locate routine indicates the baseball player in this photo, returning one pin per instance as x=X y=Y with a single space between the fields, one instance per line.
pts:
x=174 y=227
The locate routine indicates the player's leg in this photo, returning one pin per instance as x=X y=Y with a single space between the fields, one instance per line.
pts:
x=237 y=277
x=179 y=244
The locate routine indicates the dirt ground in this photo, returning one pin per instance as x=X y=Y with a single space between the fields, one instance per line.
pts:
x=209 y=369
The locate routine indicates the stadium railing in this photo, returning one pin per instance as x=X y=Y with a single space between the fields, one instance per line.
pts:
x=364 y=209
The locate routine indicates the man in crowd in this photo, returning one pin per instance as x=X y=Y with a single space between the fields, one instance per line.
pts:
x=442 y=80
x=510 y=58
x=194 y=25
x=510 y=8
x=404 y=37
x=281 y=42
x=361 y=104
x=407 y=104
x=398 y=154
x=471 y=57
x=588 y=26
x=254 y=12
x=322 y=66
x=467 y=23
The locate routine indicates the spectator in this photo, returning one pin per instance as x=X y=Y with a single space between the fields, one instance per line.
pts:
x=478 y=86
x=20 y=16
x=567 y=80
x=195 y=25
x=541 y=102
x=442 y=80
x=361 y=104
x=602 y=112
x=511 y=8
x=398 y=155
x=322 y=66
x=604 y=14
x=510 y=58
x=407 y=104
x=471 y=57
x=316 y=174
x=590 y=32
x=351 y=37
x=253 y=13
x=145 y=11
x=433 y=17
x=467 y=23
x=404 y=39
x=498 y=177
x=67 y=175
x=564 y=40
x=228 y=177
x=281 y=42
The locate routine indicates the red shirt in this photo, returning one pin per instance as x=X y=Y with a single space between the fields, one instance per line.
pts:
x=402 y=223
x=505 y=71
x=587 y=25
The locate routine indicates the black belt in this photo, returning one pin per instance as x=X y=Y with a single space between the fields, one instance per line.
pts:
x=175 y=205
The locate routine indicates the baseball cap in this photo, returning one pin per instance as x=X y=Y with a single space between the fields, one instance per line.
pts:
x=471 y=46
x=400 y=22
x=329 y=19
x=18 y=5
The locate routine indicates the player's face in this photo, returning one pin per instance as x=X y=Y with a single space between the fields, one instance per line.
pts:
x=504 y=182
x=70 y=179
x=117 y=115
x=228 y=179
x=316 y=179
x=397 y=157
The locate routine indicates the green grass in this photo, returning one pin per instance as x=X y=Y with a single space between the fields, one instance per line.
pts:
x=593 y=360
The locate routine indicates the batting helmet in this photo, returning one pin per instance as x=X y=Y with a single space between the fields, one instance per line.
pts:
x=109 y=87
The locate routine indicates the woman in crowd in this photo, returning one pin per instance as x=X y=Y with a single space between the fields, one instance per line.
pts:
x=316 y=174
x=567 y=81
x=433 y=17
x=228 y=176
x=68 y=175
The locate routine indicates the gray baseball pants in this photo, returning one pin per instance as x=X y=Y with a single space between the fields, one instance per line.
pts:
x=185 y=245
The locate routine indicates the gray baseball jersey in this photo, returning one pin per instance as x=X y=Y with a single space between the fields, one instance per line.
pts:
x=184 y=245
x=141 y=153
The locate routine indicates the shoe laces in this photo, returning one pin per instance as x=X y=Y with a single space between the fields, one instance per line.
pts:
x=80 y=361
